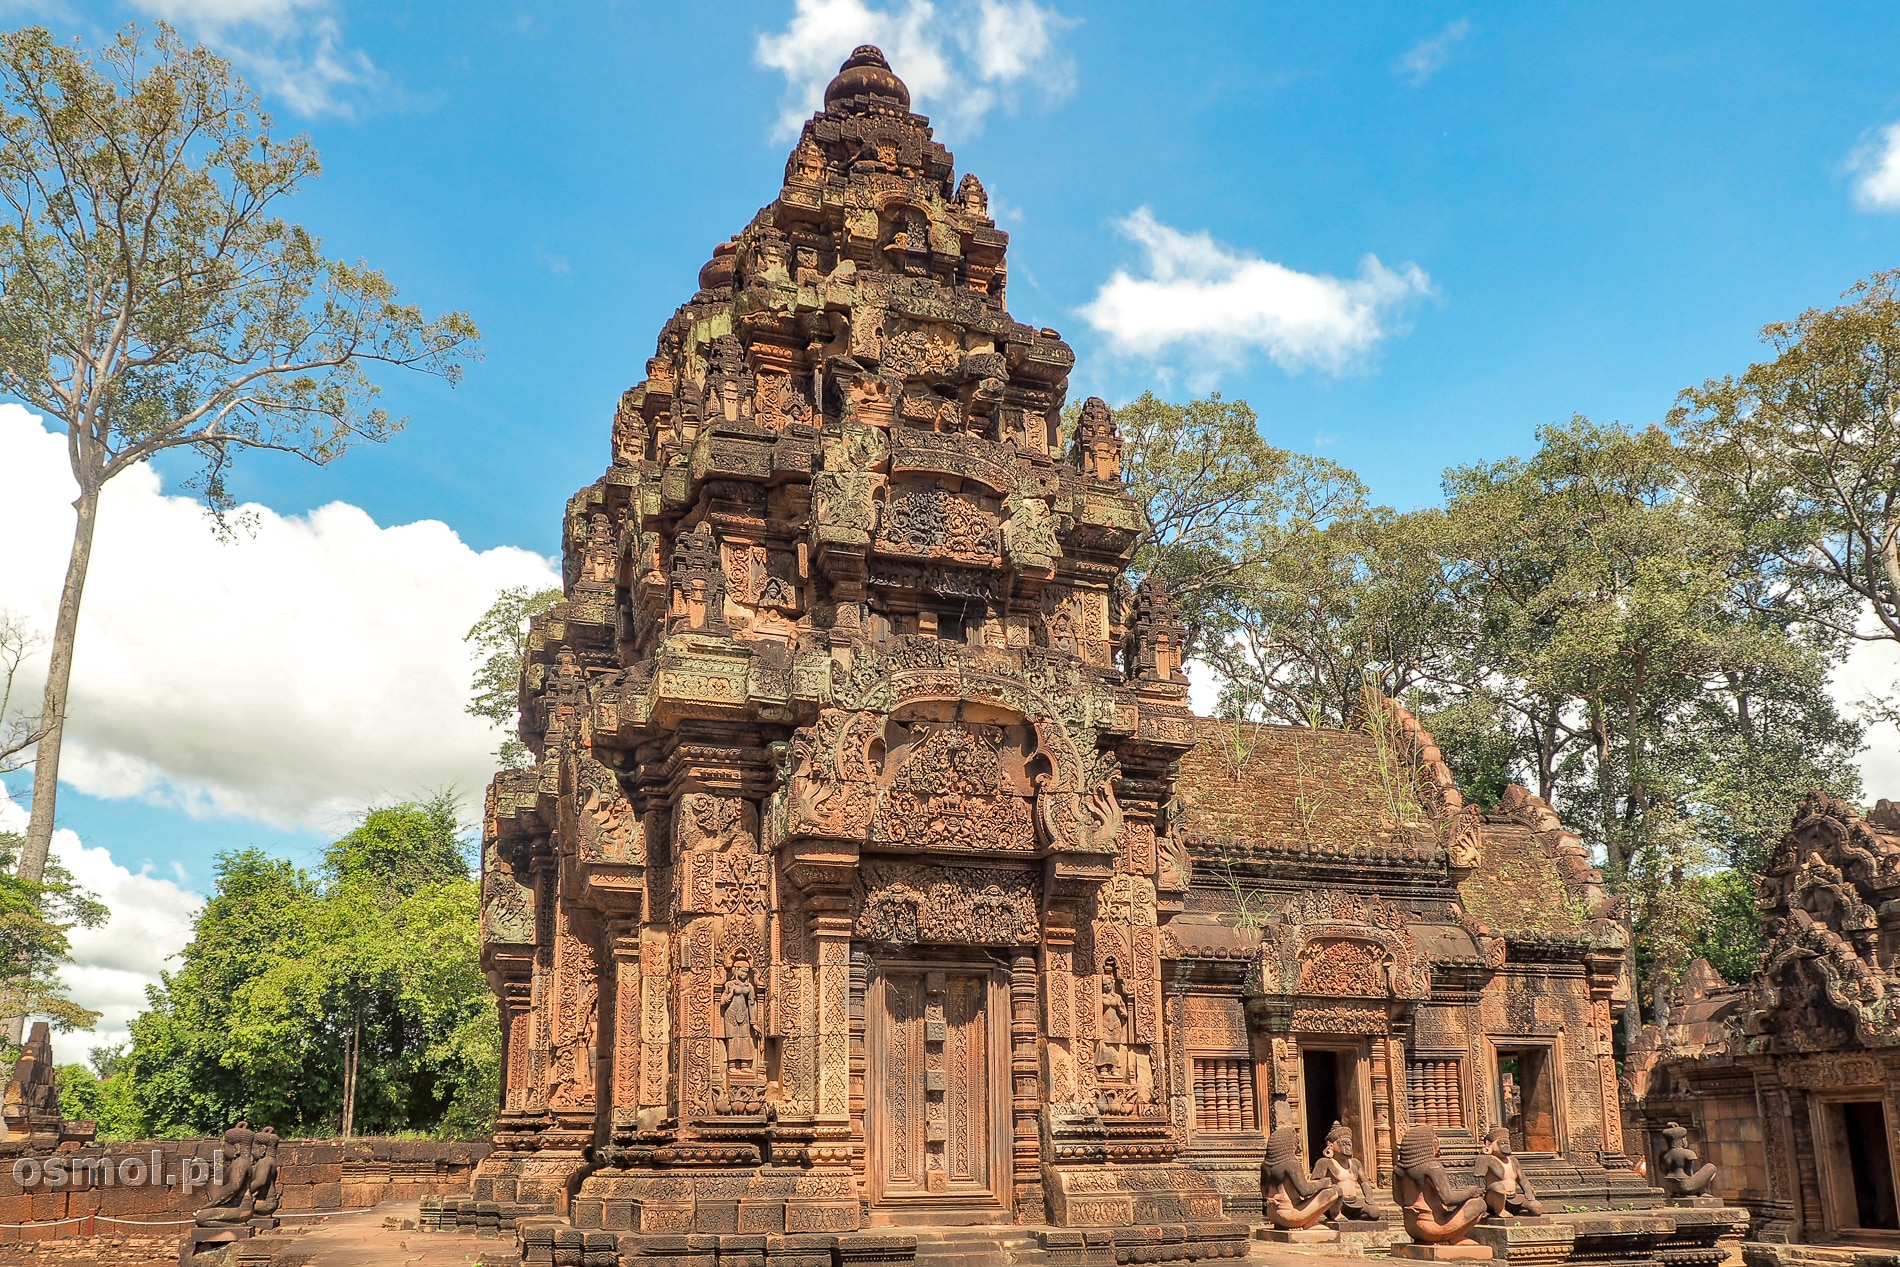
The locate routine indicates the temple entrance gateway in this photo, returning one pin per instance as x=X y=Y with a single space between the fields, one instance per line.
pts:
x=1330 y=1080
x=1862 y=1164
x=1527 y=1102
x=936 y=1103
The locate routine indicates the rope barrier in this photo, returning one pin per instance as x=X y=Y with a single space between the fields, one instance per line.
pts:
x=107 y=1218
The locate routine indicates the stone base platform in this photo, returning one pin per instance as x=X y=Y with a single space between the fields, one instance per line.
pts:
x=1766 y=1254
x=1321 y=1235
x=466 y=1214
x=1532 y=1240
x=1460 y=1251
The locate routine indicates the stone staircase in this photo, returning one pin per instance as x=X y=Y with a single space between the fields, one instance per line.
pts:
x=998 y=1246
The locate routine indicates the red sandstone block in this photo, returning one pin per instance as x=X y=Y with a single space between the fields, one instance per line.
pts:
x=316 y=1196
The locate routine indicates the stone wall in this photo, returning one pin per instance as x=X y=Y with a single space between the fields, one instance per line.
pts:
x=315 y=1175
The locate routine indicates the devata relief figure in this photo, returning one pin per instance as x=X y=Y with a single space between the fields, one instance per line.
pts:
x=736 y=1003
x=1338 y=1167
x=1111 y=1050
x=1435 y=1212
x=1681 y=1177
x=1506 y=1189
x=1292 y=1199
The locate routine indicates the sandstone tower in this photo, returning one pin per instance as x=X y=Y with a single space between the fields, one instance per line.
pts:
x=837 y=884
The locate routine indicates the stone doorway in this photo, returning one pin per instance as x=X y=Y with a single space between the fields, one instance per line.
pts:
x=1860 y=1166
x=1527 y=1098
x=1330 y=1085
x=937 y=1092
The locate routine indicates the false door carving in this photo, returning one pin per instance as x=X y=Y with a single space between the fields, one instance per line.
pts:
x=938 y=1086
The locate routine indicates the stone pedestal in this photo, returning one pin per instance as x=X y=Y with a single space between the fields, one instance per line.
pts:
x=1470 y=1251
x=210 y=1240
x=1363 y=1236
x=1526 y=1240
x=1299 y=1235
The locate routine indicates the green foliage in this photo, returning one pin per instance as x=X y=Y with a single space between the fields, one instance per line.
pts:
x=1478 y=741
x=1799 y=457
x=283 y=969
x=35 y=918
x=1591 y=619
x=101 y=1093
x=500 y=640
x=1362 y=600
x=1217 y=500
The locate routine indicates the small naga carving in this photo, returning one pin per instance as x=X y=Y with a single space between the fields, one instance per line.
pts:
x=1104 y=811
x=1293 y=1200
x=1338 y=1168
x=1464 y=840
x=1435 y=1212
x=1681 y=1177
x=1174 y=870
x=1507 y=1190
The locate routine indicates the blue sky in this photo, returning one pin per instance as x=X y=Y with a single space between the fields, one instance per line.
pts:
x=1574 y=209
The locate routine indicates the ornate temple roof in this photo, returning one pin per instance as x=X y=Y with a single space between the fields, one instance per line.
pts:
x=1377 y=797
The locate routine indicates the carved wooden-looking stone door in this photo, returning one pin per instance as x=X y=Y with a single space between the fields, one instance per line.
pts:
x=938 y=1086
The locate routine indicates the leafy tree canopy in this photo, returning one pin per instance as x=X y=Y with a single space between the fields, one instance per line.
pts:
x=35 y=918
x=286 y=973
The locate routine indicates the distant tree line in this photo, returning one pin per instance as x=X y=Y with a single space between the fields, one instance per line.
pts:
x=1638 y=623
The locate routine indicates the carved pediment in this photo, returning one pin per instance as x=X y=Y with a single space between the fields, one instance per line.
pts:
x=1828 y=978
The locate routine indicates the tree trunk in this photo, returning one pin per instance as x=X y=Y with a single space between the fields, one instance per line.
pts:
x=59 y=674
x=352 y=1046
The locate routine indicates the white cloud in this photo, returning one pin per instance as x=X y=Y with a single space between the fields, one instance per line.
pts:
x=292 y=675
x=292 y=49
x=1872 y=668
x=112 y=964
x=1427 y=57
x=1877 y=167
x=960 y=62
x=1218 y=305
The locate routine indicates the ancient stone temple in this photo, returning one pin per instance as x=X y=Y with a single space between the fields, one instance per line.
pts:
x=874 y=873
x=834 y=897
x=1790 y=1084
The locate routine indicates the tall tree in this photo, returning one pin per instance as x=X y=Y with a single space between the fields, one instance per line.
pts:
x=500 y=642
x=1801 y=456
x=151 y=299
x=1217 y=500
x=1625 y=641
x=1366 y=599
